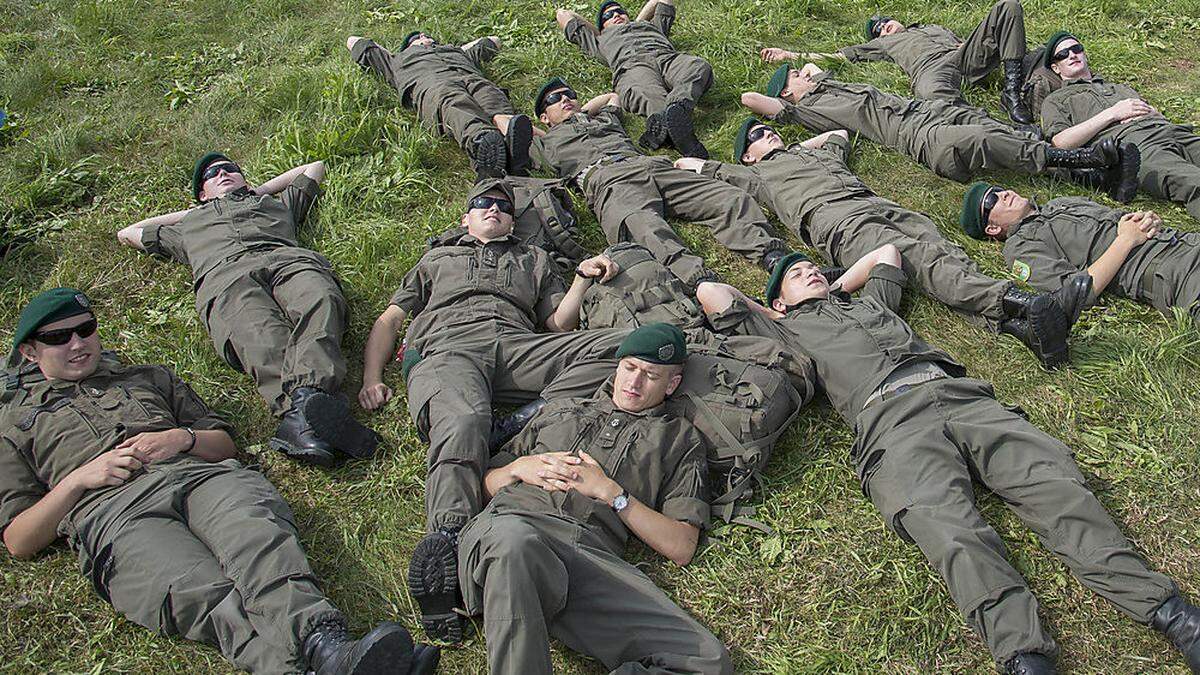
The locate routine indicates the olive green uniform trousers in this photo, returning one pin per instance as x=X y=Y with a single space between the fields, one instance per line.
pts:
x=917 y=454
x=208 y=552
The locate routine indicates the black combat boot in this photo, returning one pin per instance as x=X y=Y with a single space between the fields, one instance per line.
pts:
x=655 y=135
x=504 y=429
x=296 y=438
x=489 y=154
x=517 y=139
x=1043 y=322
x=328 y=650
x=1030 y=663
x=330 y=419
x=771 y=258
x=425 y=660
x=678 y=120
x=1180 y=622
x=1121 y=180
x=433 y=582
x=1011 y=100
x=1121 y=164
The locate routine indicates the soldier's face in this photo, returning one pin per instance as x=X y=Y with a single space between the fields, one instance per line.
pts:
x=1009 y=210
x=800 y=82
x=489 y=223
x=423 y=40
x=891 y=28
x=1072 y=66
x=73 y=360
x=560 y=110
x=803 y=281
x=616 y=16
x=225 y=181
x=768 y=141
x=640 y=385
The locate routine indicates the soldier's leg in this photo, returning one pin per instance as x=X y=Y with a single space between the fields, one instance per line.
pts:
x=616 y=614
x=641 y=89
x=313 y=302
x=461 y=116
x=688 y=76
x=1000 y=36
x=1170 y=171
x=958 y=152
x=921 y=485
x=1035 y=475
x=556 y=365
x=371 y=56
x=735 y=219
x=449 y=398
x=490 y=98
x=510 y=570
x=250 y=331
x=940 y=81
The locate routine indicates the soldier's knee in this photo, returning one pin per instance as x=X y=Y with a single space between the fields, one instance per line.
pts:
x=514 y=540
x=713 y=656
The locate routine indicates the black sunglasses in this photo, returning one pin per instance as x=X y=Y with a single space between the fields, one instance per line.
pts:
x=557 y=96
x=757 y=133
x=213 y=169
x=63 y=335
x=485 y=203
x=608 y=14
x=988 y=203
x=1067 y=51
x=877 y=28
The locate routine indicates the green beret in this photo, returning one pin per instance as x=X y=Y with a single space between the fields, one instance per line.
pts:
x=551 y=84
x=48 y=307
x=600 y=12
x=776 y=281
x=739 y=141
x=971 y=219
x=198 y=170
x=778 y=80
x=659 y=343
x=491 y=185
x=409 y=38
x=1052 y=45
x=872 y=23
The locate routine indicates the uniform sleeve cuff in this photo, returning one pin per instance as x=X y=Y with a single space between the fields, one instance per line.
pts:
x=308 y=186
x=891 y=273
x=730 y=318
x=688 y=510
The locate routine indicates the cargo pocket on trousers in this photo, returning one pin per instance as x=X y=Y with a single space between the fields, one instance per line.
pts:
x=423 y=385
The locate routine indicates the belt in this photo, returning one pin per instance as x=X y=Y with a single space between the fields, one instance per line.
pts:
x=904 y=378
x=603 y=161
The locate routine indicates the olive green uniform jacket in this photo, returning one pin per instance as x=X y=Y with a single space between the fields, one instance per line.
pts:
x=274 y=310
x=923 y=432
x=814 y=192
x=539 y=564
x=937 y=61
x=648 y=74
x=632 y=194
x=1170 y=152
x=205 y=551
x=477 y=311
x=956 y=141
x=1069 y=234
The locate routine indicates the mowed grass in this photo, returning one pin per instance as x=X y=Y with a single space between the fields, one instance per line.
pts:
x=111 y=100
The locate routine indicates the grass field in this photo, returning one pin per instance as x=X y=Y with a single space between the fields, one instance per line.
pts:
x=110 y=101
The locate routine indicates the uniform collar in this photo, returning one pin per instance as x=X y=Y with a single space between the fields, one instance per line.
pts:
x=1034 y=215
x=238 y=195
x=468 y=239
x=1094 y=79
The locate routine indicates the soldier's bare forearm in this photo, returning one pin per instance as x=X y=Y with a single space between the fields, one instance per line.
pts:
x=36 y=527
x=131 y=235
x=820 y=140
x=594 y=106
x=213 y=445
x=855 y=277
x=566 y=315
x=761 y=105
x=1106 y=267
x=1082 y=133
x=380 y=343
x=314 y=170
x=672 y=538
x=647 y=12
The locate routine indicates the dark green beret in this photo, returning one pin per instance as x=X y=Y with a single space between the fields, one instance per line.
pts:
x=490 y=185
x=1052 y=46
x=48 y=307
x=198 y=170
x=659 y=343
x=551 y=84
x=776 y=281
x=600 y=12
x=971 y=220
x=739 y=141
x=778 y=80
x=409 y=38
x=872 y=23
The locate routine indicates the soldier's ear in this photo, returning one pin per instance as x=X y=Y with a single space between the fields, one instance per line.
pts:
x=992 y=230
x=747 y=158
x=778 y=305
x=463 y=221
x=544 y=119
x=28 y=351
x=676 y=379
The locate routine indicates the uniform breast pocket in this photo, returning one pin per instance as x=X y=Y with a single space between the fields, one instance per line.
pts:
x=518 y=279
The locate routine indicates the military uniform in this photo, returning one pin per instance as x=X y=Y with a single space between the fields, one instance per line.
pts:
x=273 y=309
x=955 y=141
x=827 y=205
x=937 y=61
x=923 y=431
x=1069 y=234
x=206 y=551
x=648 y=74
x=443 y=83
x=1170 y=152
x=540 y=564
x=632 y=194
x=476 y=308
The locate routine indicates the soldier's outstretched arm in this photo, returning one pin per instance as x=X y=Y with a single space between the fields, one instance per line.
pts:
x=761 y=104
x=566 y=316
x=594 y=106
x=131 y=235
x=381 y=344
x=494 y=38
x=855 y=277
x=314 y=170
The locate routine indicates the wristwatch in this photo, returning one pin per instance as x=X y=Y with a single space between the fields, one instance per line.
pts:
x=579 y=273
x=191 y=446
x=621 y=501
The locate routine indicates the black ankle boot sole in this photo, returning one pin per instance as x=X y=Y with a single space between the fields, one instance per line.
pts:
x=331 y=421
x=433 y=582
x=386 y=649
x=520 y=136
x=491 y=156
x=655 y=135
x=312 y=456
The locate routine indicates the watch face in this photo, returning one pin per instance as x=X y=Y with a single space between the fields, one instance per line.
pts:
x=620 y=502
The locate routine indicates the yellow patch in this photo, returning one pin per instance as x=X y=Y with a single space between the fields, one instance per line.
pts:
x=1021 y=270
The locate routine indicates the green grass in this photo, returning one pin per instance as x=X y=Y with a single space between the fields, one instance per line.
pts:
x=111 y=100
